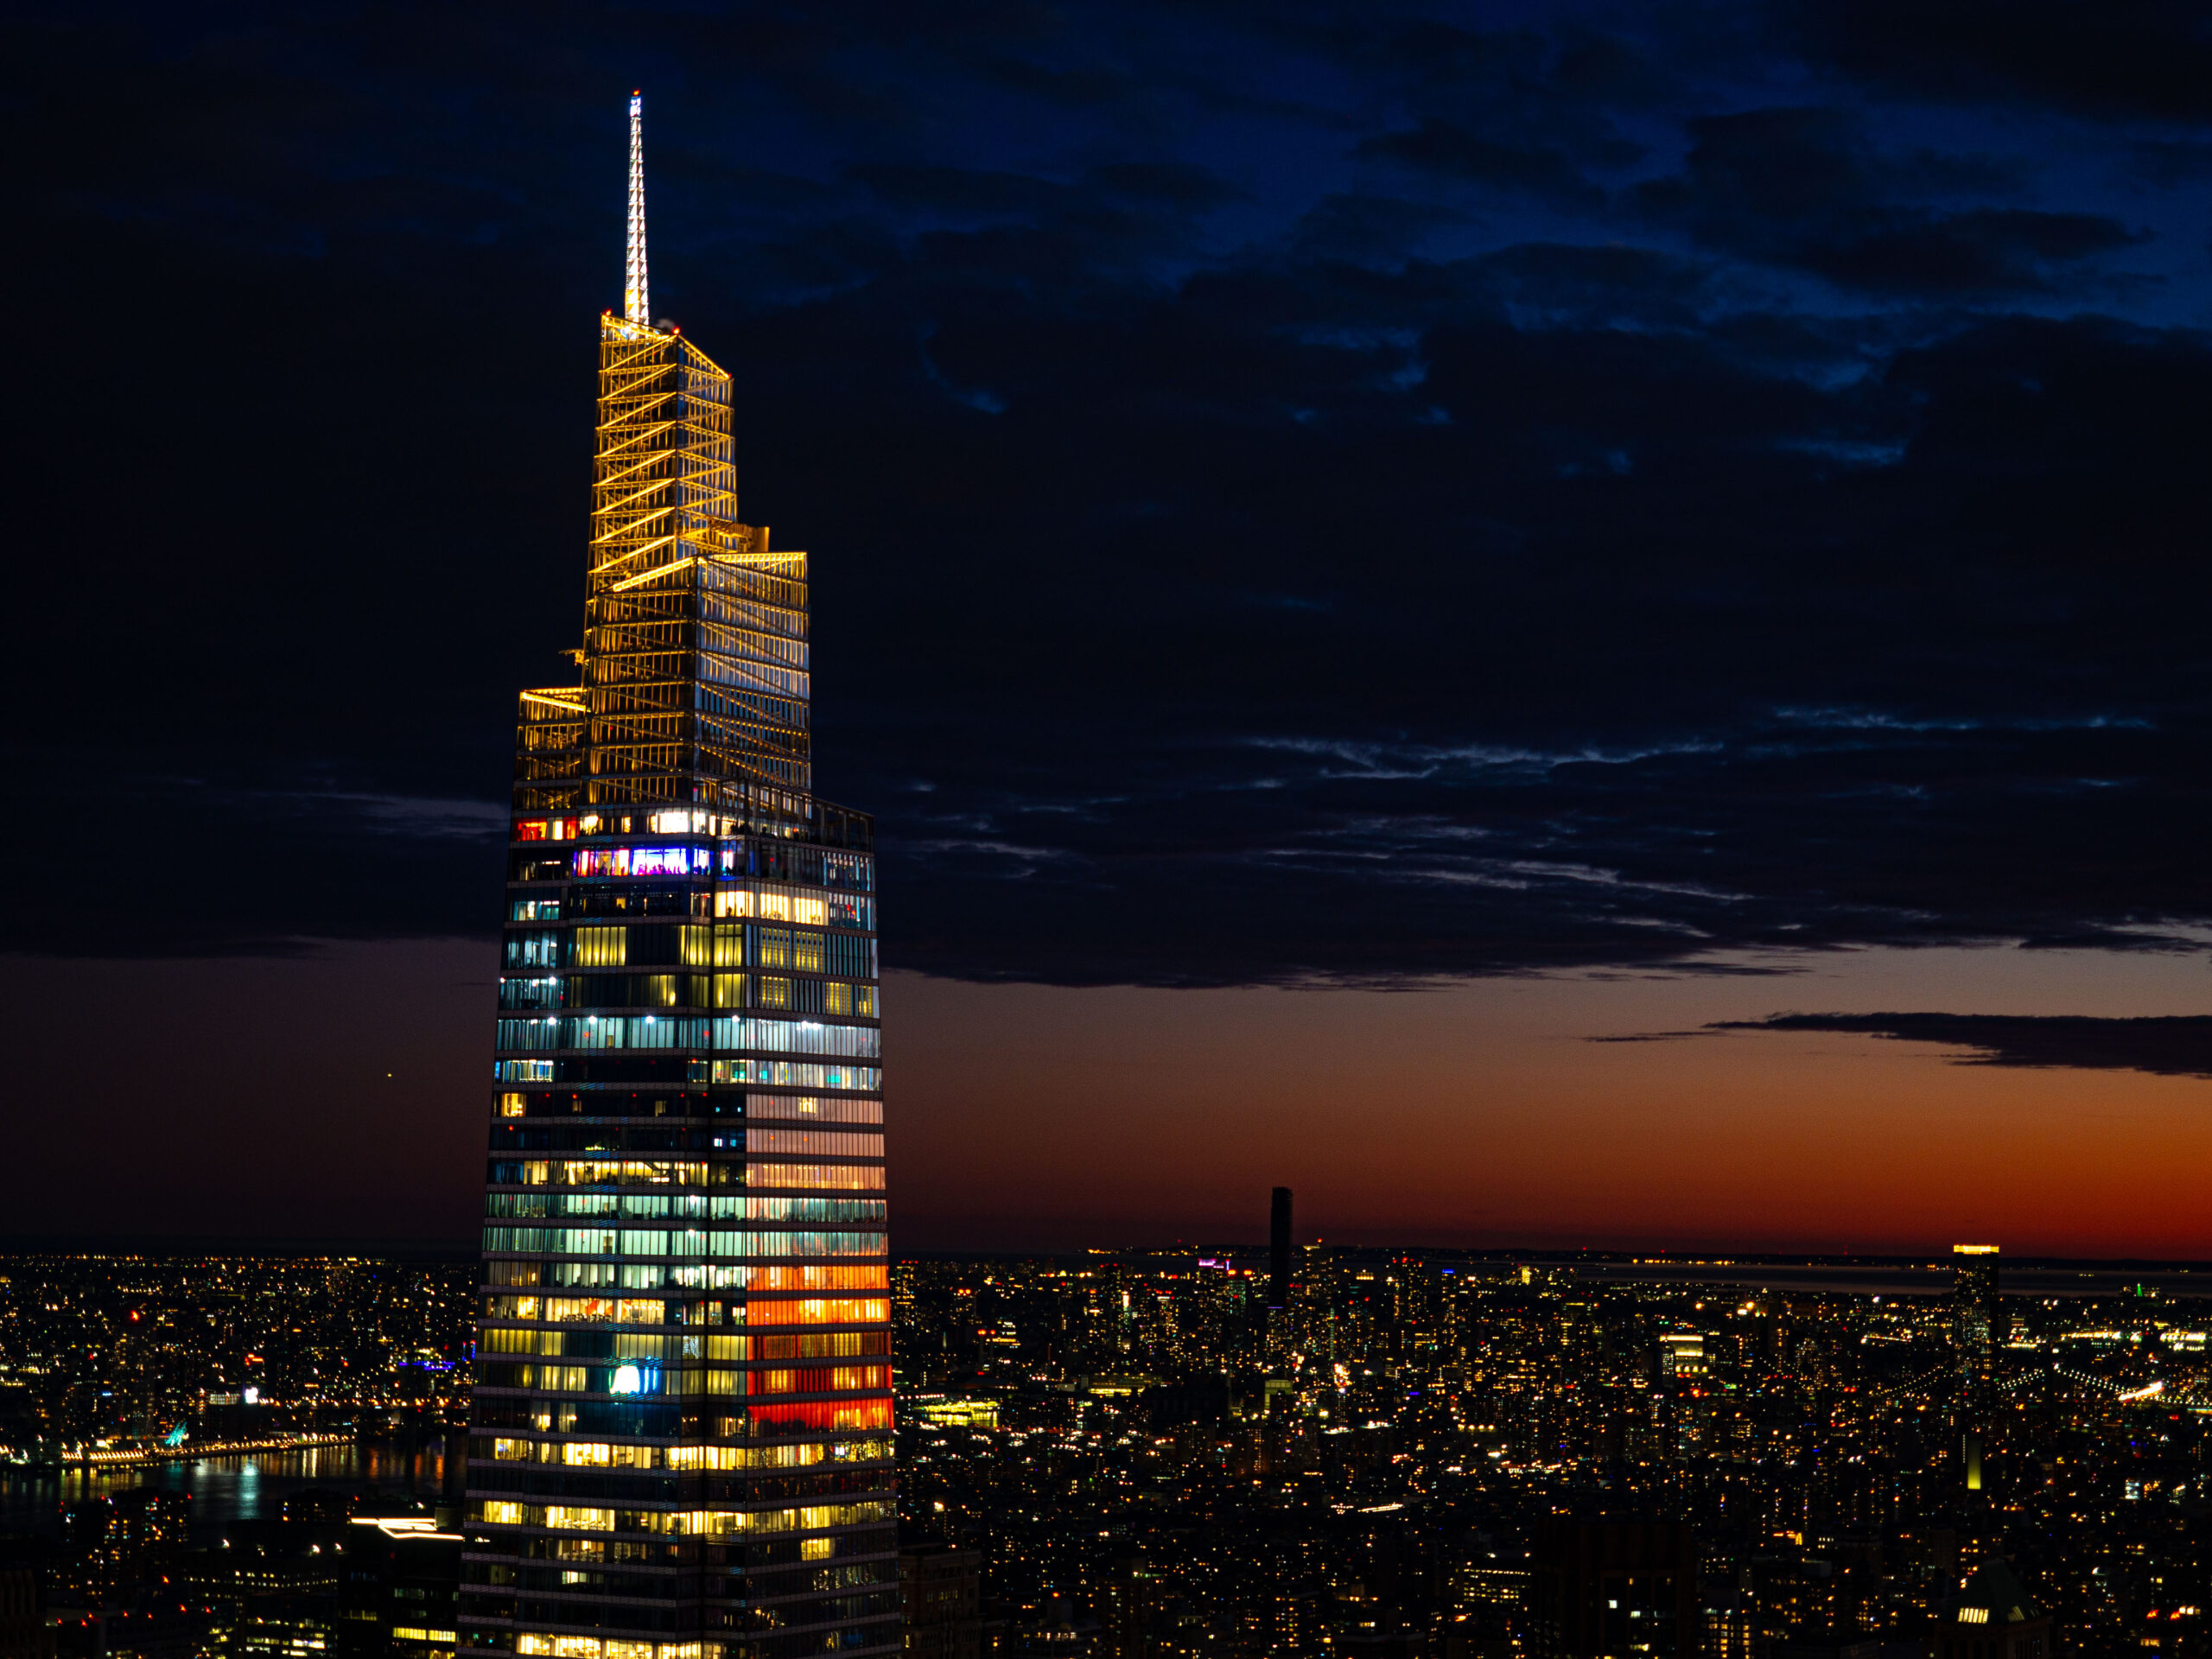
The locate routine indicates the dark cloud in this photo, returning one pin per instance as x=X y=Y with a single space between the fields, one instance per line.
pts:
x=1440 y=147
x=2171 y=162
x=1803 y=187
x=960 y=191
x=1236 y=563
x=2177 y=1045
x=1364 y=227
x=2125 y=60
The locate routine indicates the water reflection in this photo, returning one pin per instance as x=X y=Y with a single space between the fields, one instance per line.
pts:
x=249 y=1487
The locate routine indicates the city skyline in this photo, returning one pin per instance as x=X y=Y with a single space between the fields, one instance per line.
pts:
x=1552 y=628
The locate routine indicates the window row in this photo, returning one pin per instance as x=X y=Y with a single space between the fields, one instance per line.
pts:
x=811 y=1109
x=813 y=1143
x=633 y=1309
x=605 y=1030
x=675 y=945
x=775 y=1074
x=710 y=1346
x=690 y=991
x=679 y=1242
x=598 y=1455
x=836 y=1178
x=601 y=1309
x=805 y=1280
x=646 y=1377
x=818 y=866
x=682 y=1523
x=668 y=897
x=799 y=1074
x=769 y=903
x=606 y=1172
x=546 y=1172
x=611 y=1345
x=589 y=862
x=664 y=1205
x=816 y=908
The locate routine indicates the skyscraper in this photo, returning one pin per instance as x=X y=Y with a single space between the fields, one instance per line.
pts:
x=1978 y=1329
x=682 y=1434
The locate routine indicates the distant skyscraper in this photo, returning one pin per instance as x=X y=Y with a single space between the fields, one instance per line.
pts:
x=1278 y=1250
x=683 y=1404
x=1978 y=1332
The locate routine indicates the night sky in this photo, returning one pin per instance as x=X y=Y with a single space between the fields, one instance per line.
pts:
x=1556 y=624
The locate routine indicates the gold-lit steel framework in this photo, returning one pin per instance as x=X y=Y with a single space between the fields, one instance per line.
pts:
x=695 y=683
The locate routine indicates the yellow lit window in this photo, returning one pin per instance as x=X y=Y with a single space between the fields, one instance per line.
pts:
x=719 y=1347
x=776 y=906
x=806 y=952
x=811 y=910
x=632 y=1312
x=504 y=1451
x=500 y=1512
x=729 y=990
x=775 y=947
x=589 y=1454
x=582 y=1517
x=836 y=1177
x=864 y=1003
x=775 y=993
x=733 y=901
x=816 y=1549
x=837 y=999
x=698 y=947
x=599 y=947
x=575 y=1310
x=511 y=1106
x=661 y=991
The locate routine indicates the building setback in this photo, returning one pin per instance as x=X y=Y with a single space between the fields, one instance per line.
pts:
x=681 y=1417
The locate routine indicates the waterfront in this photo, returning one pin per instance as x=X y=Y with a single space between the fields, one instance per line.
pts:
x=251 y=1487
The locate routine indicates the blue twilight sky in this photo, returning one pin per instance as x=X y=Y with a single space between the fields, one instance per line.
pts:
x=1358 y=496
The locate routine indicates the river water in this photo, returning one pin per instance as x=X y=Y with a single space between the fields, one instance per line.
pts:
x=247 y=1487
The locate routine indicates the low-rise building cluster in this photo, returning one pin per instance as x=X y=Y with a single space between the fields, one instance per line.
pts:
x=1450 y=1454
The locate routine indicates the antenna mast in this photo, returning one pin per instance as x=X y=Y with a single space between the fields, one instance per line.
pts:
x=635 y=305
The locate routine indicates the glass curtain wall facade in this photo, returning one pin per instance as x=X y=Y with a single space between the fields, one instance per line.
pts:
x=681 y=1446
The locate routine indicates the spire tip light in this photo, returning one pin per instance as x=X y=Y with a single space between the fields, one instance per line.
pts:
x=636 y=305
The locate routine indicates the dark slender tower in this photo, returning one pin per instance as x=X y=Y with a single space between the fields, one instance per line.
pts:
x=1278 y=1250
x=1978 y=1332
x=683 y=1393
x=1978 y=1336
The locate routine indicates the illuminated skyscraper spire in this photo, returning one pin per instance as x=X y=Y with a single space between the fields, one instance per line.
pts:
x=654 y=1495
x=636 y=305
